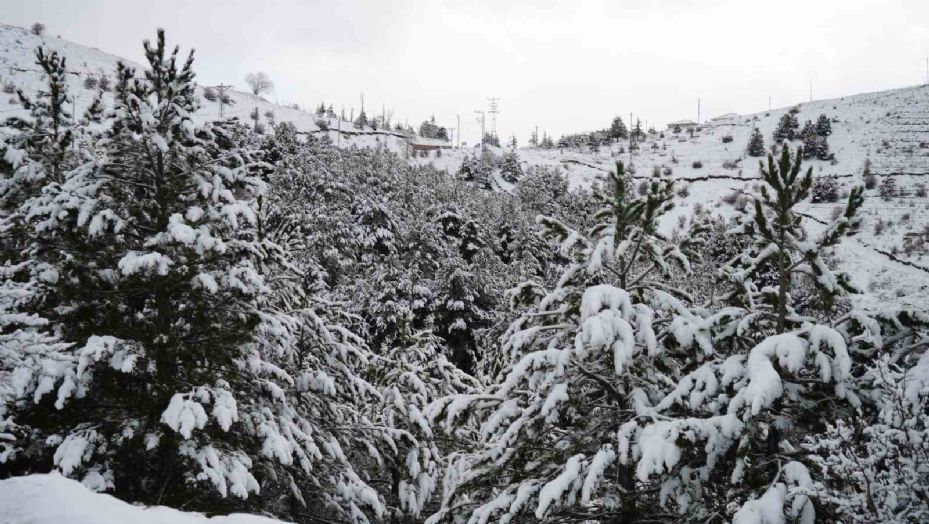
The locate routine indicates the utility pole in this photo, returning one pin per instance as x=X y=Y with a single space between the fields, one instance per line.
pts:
x=631 y=136
x=480 y=120
x=811 y=90
x=698 y=111
x=221 y=90
x=459 y=131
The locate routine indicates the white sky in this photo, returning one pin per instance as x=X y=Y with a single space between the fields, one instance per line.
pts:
x=562 y=66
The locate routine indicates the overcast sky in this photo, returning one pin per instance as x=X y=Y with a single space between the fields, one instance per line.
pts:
x=562 y=66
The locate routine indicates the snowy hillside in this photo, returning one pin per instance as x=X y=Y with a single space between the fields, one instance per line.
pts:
x=18 y=71
x=891 y=128
x=53 y=499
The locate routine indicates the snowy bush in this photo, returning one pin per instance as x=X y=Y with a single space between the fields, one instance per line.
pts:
x=888 y=187
x=825 y=189
x=38 y=29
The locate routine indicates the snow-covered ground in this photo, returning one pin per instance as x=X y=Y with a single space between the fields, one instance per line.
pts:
x=54 y=499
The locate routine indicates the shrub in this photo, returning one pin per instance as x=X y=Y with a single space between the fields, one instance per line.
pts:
x=90 y=83
x=684 y=191
x=697 y=164
x=642 y=188
x=656 y=171
x=210 y=94
x=825 y=189
x=9 y=87
x=920 y=190
x=38 y=29
x=667 y=171
x=104 y=83
x=879 y=227
x=888 y=188
x=727 y=139
x=731 y=164
x=731 y=197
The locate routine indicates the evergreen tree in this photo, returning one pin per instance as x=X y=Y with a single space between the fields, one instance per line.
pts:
x=511 y=171
x=173 y=376
x=622 y=399
x=618 y=130
x=547 y=142
x=756 y=144
x=787 y=127
x=534 y=139
x=823 y=126
x=362 y=120
x=461 y=315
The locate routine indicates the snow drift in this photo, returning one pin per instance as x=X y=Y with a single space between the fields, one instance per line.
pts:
x=53 y=499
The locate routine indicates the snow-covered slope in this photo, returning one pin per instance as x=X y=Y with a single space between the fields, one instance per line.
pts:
x=54 y=499
x=891 y=128
x=18 y=69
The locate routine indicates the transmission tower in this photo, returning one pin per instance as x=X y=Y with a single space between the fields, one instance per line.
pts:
x=494 y=111
x=479 y=114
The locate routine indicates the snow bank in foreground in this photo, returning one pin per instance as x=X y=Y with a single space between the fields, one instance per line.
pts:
x=53 y=499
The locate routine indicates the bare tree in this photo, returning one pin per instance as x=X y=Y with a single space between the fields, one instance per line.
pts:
x=38 y=29
x=259 y=83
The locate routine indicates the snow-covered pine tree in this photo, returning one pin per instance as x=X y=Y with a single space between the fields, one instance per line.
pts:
x=625 y=400
x=473 y=169
x=547 y=433
x=815 y=145
x=534 y=139
x=618 y=130
x=413 y=373
x=362 y=119
x=510 y=170
x=787 y=127
x=461 y=313
x=175 y=386
x=823 y=125
x=756 y=143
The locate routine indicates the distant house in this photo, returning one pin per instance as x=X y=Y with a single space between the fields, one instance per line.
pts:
x=683 y=125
